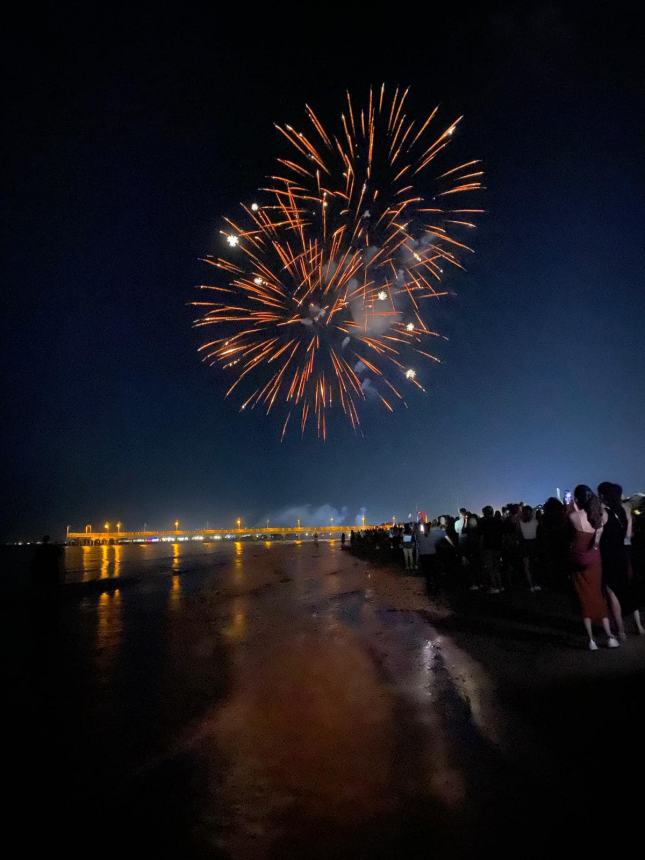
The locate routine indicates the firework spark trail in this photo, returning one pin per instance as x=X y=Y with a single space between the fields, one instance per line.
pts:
x=329 y=277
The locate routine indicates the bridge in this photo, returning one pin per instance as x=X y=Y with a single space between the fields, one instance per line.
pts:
x=90 y=537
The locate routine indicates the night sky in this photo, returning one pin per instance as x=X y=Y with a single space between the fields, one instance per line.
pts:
x=129 y=136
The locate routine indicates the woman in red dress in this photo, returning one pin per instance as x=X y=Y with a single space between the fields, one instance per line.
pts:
x=587 y=520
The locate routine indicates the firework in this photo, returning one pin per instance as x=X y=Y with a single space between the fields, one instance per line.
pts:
x=324 y=295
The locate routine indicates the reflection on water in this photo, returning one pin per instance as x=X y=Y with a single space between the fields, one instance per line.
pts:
x=238 y=570
x=308 y=719
x=235 y=631
x=109 y=630
x=272 y=669
x=174 y=600
x=105 y=561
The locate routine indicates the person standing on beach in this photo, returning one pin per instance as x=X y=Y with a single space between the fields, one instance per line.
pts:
x=430 y=560
x=552 y=541
x=409 y=548
x=616 y=570
x=528 y=547
x=490 y=529
x=587 y=520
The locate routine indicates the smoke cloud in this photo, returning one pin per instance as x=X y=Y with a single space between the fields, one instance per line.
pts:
x=315 y=515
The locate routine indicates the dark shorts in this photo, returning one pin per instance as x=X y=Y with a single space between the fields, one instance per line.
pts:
x=530 y=549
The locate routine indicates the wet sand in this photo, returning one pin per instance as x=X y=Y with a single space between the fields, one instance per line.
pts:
x=291 y=700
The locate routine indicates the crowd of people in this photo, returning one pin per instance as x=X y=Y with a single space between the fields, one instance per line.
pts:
x=592 y=546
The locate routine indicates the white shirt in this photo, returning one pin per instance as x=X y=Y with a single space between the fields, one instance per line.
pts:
x=529 y=529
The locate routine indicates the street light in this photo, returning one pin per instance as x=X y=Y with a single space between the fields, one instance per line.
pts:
x=239 y=523
x=107 y=527
x=118 y=527
x=363 y=520
x=176 y=525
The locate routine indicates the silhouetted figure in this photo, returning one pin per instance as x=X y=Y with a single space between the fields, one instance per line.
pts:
x=428 y=542
x=529 y=546
x=553 y=542
x=45 y=569
x=342 y=540
x=409 y=548
x=617 y=577
x=490 y=529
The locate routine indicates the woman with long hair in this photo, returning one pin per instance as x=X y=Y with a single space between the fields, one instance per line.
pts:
x=587 y=520
x=616 y=569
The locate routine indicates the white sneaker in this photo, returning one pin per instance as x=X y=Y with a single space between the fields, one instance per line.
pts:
x=592 y=645
x=612 y=642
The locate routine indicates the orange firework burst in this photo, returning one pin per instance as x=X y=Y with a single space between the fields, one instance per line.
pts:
x=328 y=279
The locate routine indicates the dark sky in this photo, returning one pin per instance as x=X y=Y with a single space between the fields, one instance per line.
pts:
x=129 y=135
